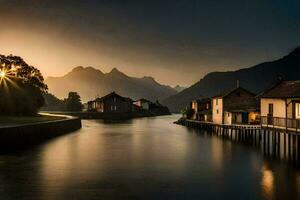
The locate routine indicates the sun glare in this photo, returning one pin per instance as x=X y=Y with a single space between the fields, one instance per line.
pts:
x=2 y=74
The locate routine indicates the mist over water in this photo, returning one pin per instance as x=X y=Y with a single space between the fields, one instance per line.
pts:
x=148 y=158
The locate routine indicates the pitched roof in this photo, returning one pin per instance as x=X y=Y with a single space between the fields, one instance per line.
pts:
x=226 y=93
x=113 y=94
x=246 y=103
x=284 y=89
x=203 y=100
x=143 y=100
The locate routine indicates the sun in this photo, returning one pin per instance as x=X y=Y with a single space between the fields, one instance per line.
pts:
x=2 y=74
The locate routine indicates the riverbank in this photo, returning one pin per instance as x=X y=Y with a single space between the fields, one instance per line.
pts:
x=14 y=137
x=19 y=120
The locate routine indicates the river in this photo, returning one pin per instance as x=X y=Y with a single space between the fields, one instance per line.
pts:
x=147 y=158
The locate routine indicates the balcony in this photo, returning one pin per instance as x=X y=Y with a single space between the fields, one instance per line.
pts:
x=281 y=123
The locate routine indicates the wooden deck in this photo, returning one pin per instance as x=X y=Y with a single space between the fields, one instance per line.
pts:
x=291 y=131
x=233 y=126
x=291 y=126
x=244 y=126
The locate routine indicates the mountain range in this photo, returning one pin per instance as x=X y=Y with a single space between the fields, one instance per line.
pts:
x=256 y=79
x=179 y=88
x=90 y=83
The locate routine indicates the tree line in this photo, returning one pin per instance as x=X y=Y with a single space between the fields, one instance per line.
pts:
x=23 y=91
x=71 y=103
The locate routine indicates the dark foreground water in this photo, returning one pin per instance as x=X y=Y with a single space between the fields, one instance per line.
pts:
x=148 y=158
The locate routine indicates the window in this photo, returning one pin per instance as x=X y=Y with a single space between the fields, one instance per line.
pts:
x=228 y=115
x=207 y=106
x=194 y=105
x=111 y=108
x=217 y=101
x=115 y=107
x=115 y=99
x=297 y=110
x=217 y=111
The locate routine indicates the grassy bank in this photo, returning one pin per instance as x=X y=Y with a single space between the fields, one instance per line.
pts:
x=17 y=120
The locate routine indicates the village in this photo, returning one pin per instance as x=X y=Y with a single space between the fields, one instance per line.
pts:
x=270 y=119
x=278 y=107
x=113 y=106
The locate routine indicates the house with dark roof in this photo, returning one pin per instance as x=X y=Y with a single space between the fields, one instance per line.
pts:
x=111 y=103
x=238 y=106
x=280 y=105
x=202 y=110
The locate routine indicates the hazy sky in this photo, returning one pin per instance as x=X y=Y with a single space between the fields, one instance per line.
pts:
x=176 y=42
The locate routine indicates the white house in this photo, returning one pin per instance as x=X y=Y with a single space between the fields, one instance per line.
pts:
x=280 y=106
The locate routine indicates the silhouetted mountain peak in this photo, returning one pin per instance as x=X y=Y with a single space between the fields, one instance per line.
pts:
x=116 y=72
x=294 y=54
x=85 y=71
x=179 y=88
x=256 y=79
x=149 y=78
x=90 y=82
x=77 y=69
x=89 y=68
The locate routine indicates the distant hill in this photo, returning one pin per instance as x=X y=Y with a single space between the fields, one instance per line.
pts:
x=256 y=79
x=90 y=83
x=179 y=88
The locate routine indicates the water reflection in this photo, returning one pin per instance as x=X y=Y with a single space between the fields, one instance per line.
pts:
x=267 y=182
x=217 y=153
x=149 y=158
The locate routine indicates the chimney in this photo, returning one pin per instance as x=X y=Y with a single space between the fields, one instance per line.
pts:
x=237 y=83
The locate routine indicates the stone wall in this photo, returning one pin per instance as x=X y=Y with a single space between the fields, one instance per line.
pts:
x=17 y=137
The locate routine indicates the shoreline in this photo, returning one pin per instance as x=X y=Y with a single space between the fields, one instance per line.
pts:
x=21 y=136
x=22 y=123
x=106 y=116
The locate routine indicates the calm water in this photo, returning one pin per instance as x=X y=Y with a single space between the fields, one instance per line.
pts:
x=148 y=158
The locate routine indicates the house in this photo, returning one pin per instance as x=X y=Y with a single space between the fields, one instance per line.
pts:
x=111 y=103
x=280 y=105
x=91 y=105
x=202 y=109
x=238 y=106
x=143 y=104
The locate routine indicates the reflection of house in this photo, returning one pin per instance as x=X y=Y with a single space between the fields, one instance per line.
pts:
x=143 y=104
x=238 y=106
x=280 y=106
x=111 y=103
x=202 y=109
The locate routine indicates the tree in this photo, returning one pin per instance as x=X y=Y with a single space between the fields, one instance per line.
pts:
x=52 y=103
x=73 y=102
x=187 y=112
x=21 y=87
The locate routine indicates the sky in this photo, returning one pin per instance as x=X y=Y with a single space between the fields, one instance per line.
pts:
x=176 y=42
